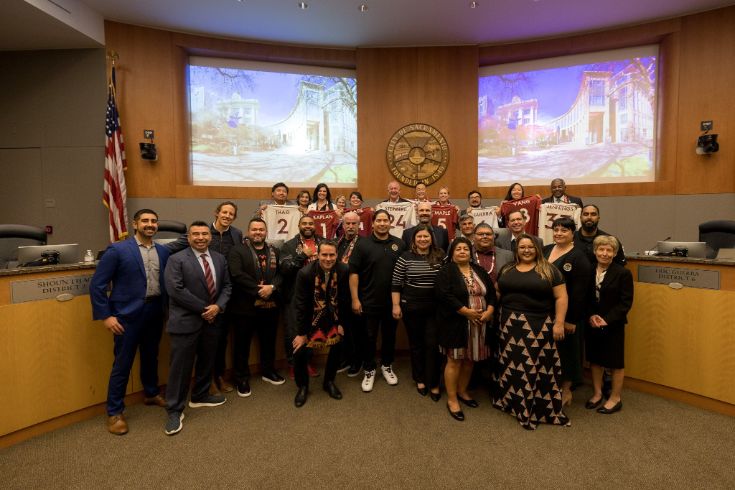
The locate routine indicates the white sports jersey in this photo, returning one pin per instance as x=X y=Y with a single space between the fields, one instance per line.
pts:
x=282 y=221
x=485 y=215
x=403 y=216
x=551 y=211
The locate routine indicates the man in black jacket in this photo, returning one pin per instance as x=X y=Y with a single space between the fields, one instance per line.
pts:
x=295 y=254
x=321 y=300
x=255 y=288
x=559 y=194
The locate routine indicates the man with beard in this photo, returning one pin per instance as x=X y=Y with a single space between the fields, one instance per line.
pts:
x=441 y=238
x=295 y=254
x=486 y=254
x=516 y=225
x=351 y=357
x=584 y=237
x=133 y=312
x=371 y=271
x=559 y=194
x=255 y=282
x=198 y=286
x=321 y=299
x=474 y=199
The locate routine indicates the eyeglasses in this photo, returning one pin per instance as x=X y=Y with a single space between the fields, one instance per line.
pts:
x=484 y=234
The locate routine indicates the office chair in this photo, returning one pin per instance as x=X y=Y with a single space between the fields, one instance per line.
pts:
x=13 y=236
x=717 y=234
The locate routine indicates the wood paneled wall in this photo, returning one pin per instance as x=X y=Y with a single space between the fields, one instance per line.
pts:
x=437 y=86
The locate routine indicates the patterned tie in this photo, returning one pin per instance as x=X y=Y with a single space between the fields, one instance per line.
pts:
x=209 y=279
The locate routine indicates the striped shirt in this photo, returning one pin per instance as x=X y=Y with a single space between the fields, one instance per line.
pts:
x=414 y=278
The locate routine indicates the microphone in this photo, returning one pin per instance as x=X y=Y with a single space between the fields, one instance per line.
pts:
x=655 y=248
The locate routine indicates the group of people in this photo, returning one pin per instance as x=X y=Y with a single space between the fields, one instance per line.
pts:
x=527 y=311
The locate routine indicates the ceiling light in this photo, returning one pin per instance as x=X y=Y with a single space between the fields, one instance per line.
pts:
x=474 y=5
x=303 y=5
x=362 y=8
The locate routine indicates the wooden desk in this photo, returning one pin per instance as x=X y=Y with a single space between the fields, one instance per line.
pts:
x=684 y=338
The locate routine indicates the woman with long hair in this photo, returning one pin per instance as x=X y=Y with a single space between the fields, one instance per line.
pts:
x=412 y=291
x=321 y=200
x=466 y=297
x=533 y=305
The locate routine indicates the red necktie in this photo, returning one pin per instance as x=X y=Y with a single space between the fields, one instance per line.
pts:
x=210 y=280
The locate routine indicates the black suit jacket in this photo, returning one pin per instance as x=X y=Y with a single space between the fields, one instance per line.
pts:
x=572 y=200
x=451 y=295
x=244 y=275
x=187 y=290
x=303 y=299
x=441 y=237
x=616 y=296
x=506 y=242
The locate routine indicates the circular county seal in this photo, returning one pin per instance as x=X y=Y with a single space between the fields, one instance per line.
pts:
x=417 y=154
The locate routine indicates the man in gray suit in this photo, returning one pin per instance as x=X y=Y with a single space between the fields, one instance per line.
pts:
x=198 y=286
x=516 y=225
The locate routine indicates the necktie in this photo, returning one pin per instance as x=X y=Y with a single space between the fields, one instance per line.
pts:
x=208 y=277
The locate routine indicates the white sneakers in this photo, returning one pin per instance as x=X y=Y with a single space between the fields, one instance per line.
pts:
x=369 y=380
x=389 y=375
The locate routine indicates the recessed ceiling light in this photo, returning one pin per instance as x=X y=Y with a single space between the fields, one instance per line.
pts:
x=303 y=5
x=362 y=8
x=474 y=5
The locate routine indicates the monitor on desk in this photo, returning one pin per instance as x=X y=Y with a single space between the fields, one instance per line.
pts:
x=693 y=249
x=68 y=253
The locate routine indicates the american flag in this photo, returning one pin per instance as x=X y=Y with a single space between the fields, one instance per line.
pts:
x=114 y=192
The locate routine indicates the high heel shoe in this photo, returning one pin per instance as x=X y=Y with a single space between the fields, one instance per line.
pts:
x=615 y=408
x=435 y=396
x=458 y=415
x=468 y=401
x=422 y=391
x=589 y=405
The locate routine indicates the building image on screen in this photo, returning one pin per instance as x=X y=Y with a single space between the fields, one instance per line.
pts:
x=253 y=124
x=588 y=119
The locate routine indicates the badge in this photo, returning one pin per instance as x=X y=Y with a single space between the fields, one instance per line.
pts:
x=417 y=153
x=567 y=267
x=394 y=247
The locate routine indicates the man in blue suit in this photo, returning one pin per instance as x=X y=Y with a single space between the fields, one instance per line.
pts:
x=198 y=286
x=133 y=311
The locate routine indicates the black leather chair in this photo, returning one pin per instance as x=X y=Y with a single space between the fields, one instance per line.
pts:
x=170 y=228
x=717 y=234
x=14 y=236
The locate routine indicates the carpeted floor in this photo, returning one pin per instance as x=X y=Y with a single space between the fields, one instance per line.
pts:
x=389 y=438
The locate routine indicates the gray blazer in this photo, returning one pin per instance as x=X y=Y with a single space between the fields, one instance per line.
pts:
x=187 y=290
x=504 y=241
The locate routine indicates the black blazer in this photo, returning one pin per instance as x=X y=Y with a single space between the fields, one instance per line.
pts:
x=451 y=295
x=303 y=299
x=616 y=296
x=572 y=200
x=441 y=237
x=245 y=279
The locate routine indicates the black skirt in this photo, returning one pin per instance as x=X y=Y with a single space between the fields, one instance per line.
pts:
x=606 y=346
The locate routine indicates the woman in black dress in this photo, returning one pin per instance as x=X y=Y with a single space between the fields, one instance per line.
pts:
x=533 y=304
x=466 y=301
x=577 y=271
x=606 y=338
x=412 y=292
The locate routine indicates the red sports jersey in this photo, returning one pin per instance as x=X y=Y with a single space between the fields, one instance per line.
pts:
x=325 y=223
x=366 y=220
x=529 y=206
x=446 y=217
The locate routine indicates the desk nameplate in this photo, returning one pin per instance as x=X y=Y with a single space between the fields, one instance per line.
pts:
x=59 y=287
x=693 y=278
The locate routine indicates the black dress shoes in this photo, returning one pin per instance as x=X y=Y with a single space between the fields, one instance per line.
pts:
x=435 y=396
x=472 y=403
x=301 y=396
x=458 y=415
x=589 y=405
x=422 y=391
x=615 y=408
x=332 y=390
